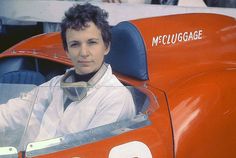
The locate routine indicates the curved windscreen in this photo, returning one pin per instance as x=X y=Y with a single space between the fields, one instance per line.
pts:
x=32 y=114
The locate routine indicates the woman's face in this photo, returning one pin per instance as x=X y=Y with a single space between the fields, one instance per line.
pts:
x=86 y=48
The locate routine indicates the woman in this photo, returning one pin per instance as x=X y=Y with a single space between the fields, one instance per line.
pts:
x=86 y=96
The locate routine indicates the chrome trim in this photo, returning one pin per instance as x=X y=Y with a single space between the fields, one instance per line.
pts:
x=43 y=144
x=8 y=152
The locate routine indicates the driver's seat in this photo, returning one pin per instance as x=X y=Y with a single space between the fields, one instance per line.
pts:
x=128 y=57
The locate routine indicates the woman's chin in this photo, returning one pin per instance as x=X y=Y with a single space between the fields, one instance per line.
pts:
x=84 y=71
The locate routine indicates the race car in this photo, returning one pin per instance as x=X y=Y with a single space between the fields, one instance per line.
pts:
x=181 y=71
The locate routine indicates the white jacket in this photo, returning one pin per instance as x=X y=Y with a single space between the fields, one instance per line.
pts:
x=107 y=102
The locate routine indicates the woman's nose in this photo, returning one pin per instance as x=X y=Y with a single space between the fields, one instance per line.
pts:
x=84 y=51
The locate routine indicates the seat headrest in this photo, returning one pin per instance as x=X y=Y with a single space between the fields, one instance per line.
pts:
x=128 y=54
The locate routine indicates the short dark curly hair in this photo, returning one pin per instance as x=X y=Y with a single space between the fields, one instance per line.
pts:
x=79 y=15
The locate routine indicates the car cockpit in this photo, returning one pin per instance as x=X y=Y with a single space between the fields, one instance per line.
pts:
x=127 y=57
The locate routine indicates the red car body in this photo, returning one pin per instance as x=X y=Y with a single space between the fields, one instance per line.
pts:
x=191 y=84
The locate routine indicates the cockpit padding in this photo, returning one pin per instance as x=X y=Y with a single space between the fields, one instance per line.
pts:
x=23 y=77
x=16 y=63
x=21 y=67
x=141 y=100
x=128 y=54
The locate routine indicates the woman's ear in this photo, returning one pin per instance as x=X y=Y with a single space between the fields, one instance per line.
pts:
x=107 y=50
x=68 y=55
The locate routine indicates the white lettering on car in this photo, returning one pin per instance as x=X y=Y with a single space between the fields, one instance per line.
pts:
x=176 y=38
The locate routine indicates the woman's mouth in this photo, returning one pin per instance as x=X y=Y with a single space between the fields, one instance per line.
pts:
x=84 y=62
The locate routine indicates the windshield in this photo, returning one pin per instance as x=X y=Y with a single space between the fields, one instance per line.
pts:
x=29 y=113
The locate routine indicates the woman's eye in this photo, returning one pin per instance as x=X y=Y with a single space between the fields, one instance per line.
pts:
x=92 y=42
x=74 y=45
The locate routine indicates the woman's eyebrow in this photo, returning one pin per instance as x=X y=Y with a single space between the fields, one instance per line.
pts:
x=97 y=39
x=73 y=41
